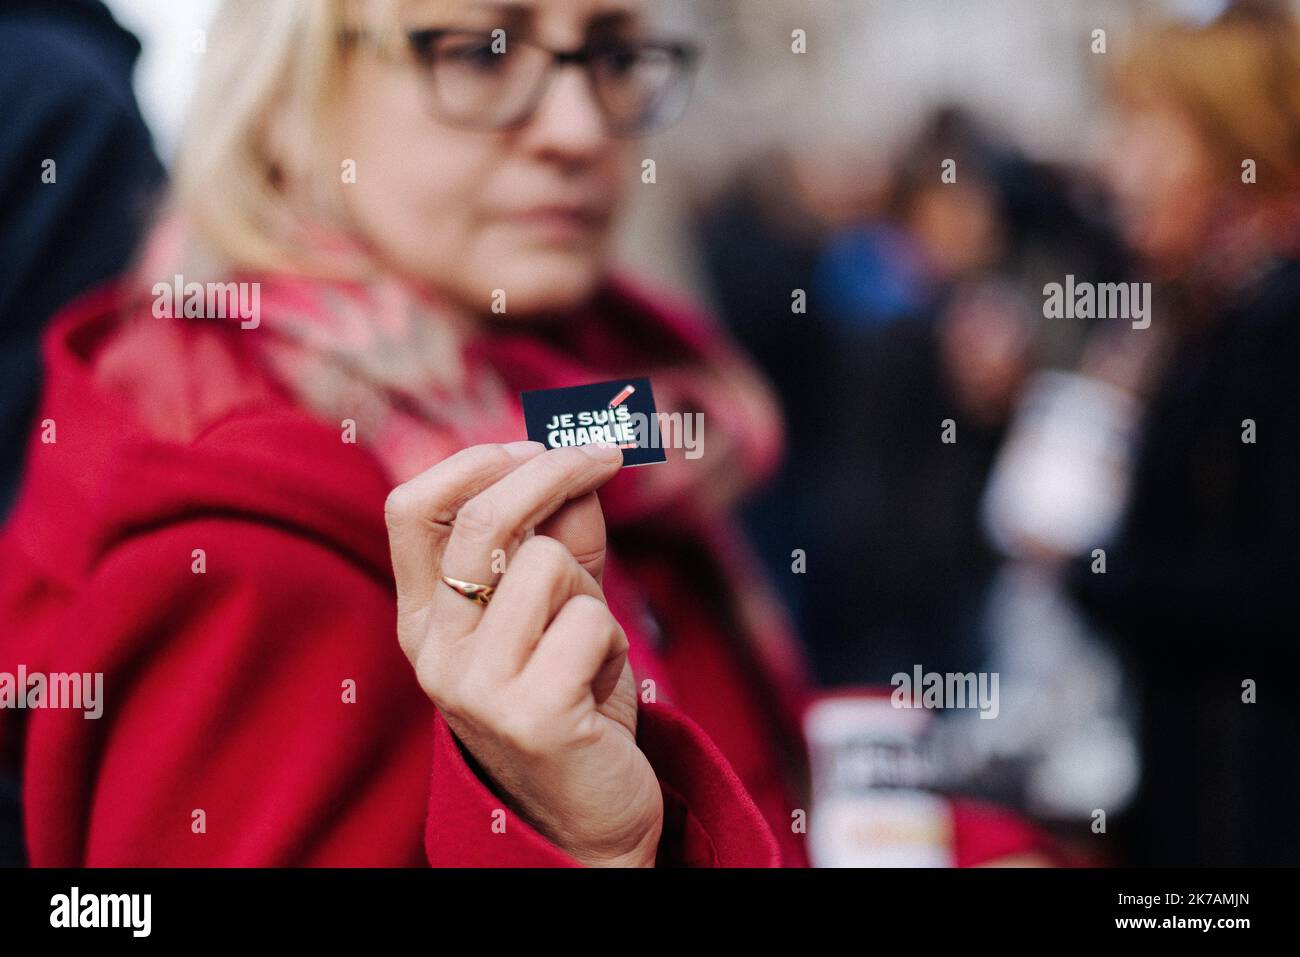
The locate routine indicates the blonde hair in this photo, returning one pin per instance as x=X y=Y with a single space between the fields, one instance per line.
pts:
x=1236 y=80
x=255 y=163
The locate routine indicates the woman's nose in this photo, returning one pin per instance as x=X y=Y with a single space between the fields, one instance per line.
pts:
x=569 y=120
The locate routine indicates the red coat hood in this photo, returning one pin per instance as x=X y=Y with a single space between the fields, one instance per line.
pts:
x=127 y=478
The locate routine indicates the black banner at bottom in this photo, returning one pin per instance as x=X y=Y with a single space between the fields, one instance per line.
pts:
x=231 y=906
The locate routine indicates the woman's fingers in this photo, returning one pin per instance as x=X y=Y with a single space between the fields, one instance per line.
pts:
x=584 y=649
x=492 y=525
x=543 y=575
x=420 y=513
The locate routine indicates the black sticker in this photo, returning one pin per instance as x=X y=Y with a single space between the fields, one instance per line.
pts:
x=621 y=412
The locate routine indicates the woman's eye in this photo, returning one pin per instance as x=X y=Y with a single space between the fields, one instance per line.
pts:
x=478 y=56
x=620 y=60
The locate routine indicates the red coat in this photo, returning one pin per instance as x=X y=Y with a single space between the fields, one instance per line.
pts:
x=225 y=690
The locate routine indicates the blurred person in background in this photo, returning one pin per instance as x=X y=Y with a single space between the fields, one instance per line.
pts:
x=207 y=536
x=1200 y=579
x=77 y=176
x=908 y=556
x=759 y=239
x=920 y=310
x=80 y=176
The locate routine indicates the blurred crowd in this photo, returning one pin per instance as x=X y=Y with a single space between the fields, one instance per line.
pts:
x=1098 y=524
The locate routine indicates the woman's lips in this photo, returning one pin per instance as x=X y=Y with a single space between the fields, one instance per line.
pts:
x=560 y=223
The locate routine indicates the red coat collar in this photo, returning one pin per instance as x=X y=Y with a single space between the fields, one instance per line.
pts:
x=267 y=459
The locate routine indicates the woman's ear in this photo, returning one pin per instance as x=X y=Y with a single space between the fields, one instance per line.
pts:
x=300 y=157
x=282 y=143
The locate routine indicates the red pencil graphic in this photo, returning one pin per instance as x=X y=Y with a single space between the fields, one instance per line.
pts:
x=618 y=400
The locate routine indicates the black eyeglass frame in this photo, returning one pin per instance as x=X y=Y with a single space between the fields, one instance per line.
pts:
x=687 y=54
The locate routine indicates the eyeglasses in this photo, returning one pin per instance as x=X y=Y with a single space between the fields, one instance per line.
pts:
x=486 y=81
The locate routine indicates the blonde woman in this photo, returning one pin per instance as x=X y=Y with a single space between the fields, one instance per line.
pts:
x=239 y=513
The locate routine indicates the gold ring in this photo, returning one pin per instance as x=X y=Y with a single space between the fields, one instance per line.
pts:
x=479 y=594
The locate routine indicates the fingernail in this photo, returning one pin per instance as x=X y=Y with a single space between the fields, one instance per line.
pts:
x=522 y=450
x=603 y=451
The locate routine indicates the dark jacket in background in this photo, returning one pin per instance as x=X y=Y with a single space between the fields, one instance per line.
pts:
x=1204 y=587
x=66 y=96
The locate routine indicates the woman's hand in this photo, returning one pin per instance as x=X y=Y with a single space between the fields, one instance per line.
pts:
x=536 y=685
